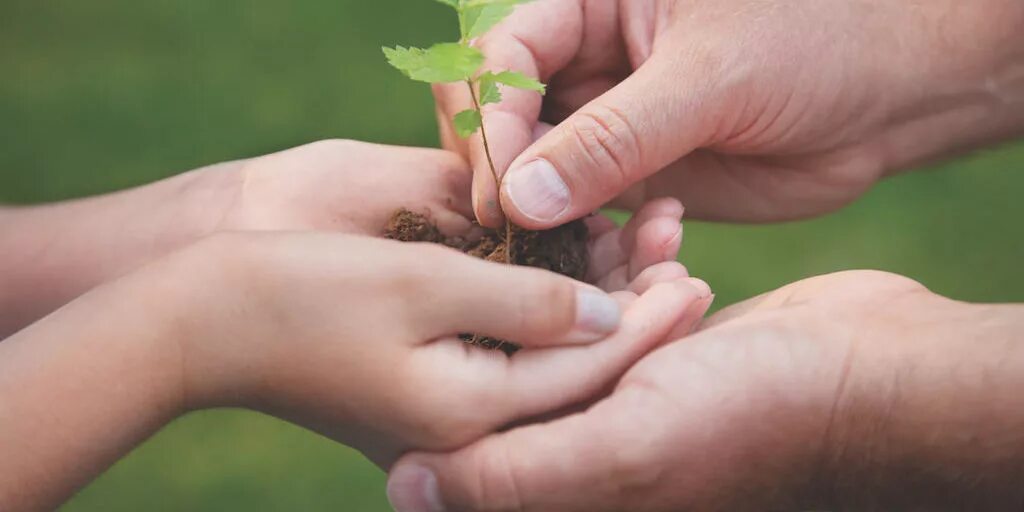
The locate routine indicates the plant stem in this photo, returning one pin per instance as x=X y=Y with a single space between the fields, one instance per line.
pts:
x=494 y=171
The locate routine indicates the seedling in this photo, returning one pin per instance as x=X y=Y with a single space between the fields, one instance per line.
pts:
x=461 y=62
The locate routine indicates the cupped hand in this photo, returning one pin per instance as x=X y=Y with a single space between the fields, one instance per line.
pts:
x=746 y=110
x=355 y=187
x=356 y=337
x=347 y=187
x=822 y=393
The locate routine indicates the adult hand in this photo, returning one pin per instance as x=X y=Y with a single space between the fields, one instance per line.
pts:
x=746 y=110
x=855 y=391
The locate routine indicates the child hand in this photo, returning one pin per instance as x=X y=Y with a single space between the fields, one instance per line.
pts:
x=350 y=336
x=356 y=338
x=346 y=186
x=355 y=187
x=64 y=249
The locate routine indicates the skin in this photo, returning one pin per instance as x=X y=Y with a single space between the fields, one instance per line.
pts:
x=62 y=250
x=278 y=321
x=329 y=331
x=854 y=391
x=746 y=110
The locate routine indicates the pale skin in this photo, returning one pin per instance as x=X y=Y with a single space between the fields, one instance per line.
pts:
x=57 y=252
x=329 y=330
x=857 y=391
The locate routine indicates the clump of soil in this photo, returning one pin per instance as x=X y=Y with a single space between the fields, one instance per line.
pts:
x=562 y=250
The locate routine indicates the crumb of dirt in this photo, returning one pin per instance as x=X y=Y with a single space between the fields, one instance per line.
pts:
x=562 y=250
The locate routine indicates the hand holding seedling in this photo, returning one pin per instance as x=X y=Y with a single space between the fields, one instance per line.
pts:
x=62 y=250
x=853 y=391
x=350 y=336
x=460 y=62
x=746 y=110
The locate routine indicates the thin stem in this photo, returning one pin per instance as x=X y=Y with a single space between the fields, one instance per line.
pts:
x=494 y=170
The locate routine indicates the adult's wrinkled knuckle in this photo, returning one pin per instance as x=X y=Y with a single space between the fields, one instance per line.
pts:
x=498 y=486
x=607 y=140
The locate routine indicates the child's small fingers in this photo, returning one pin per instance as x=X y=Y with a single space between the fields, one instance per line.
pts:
x=617 y=279
x=548 y=379
x=599 y=224
x=665 y=207
x=691 y=319
x=606 y=253
x=660 y=273
x=657 y=241
x=624 y=298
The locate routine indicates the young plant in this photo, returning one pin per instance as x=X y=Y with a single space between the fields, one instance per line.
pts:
x=461 y=62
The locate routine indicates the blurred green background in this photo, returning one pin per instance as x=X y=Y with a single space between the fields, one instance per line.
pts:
x=104 y=94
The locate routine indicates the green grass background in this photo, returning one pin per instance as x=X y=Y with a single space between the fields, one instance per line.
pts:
x=103 y=94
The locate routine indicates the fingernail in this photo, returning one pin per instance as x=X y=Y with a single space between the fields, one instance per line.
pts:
x=596 y=312
x=537 y=190
x=414 y=489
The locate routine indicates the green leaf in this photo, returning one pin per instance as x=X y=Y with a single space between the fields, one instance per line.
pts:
x=454 y=4
x=467 y=122
x=476 y=17
x=518 y=80
x=489 y=92
x=441 y=63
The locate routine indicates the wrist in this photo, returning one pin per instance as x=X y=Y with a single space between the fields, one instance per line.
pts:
x=212 y=287
x=929 y=414
x=959 y=80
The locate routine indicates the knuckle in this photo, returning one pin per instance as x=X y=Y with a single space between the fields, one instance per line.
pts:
x=459 y=424
x=413 y=273
x=606 y=138
x=498 y=485
x=877 y=280
x=338 y=145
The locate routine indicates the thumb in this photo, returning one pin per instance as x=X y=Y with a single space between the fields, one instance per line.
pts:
x=529 y=306
x=645 y=123
x=559 y=465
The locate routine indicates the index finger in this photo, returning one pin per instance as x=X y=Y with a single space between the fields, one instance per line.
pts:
x=538 y=39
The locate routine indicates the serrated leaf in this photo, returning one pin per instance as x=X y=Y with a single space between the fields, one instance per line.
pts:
x=478 y=16
x=467 y=122
x=441 y=63
x=489 y=92
x=518 y=80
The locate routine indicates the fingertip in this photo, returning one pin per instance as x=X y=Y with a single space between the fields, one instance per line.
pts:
x=664 y=207
x=599 y=224
x=701 y=286
x=485 y=204
x=661 y=273
x=657 y=240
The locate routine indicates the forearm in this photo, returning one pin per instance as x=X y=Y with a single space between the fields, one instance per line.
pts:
x=945 y=429
x=83 y=386
x=51 y=254
x=962 y=66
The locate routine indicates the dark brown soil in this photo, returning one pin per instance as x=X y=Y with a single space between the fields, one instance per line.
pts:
x=562 y=250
